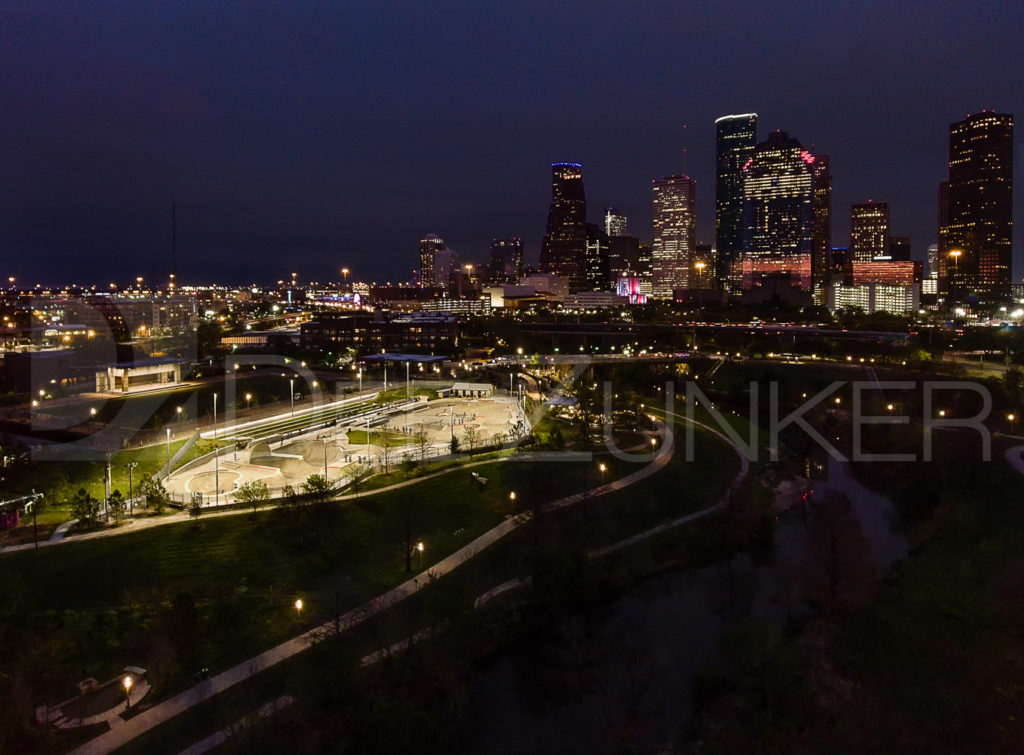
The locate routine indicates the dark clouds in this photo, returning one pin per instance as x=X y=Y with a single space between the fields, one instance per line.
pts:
x=304 y=138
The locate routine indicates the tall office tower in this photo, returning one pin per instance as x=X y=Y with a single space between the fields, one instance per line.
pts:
x=735 y=140
x=597 y=274
x=778 y=212
x=506 y=264
x=675 y=234
x=869 y=231
x=447 y=268
x=976 y=237
x=565 y=242
x=623 y=257
x=899 y=248
x=821 y=240
x=614 y=222
x=429 y=246
x=933 y=261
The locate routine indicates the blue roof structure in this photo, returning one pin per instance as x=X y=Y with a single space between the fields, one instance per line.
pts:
x=414 y=358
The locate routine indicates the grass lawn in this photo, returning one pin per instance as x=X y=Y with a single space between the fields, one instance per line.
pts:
x=399 y=394
x=175 y=598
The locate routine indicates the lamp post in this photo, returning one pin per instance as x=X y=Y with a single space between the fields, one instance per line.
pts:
x=168 y=450
x=603 y=469
x=178 y=410
x=291 y=393
x=344 y=272
x=955 y=254
x=248 y=398
x=1012 y=418
x=127 y=684
x=407 y=391
x=360 y=379
x=131 y=466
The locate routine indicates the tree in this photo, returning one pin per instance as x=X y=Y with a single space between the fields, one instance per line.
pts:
x=840 y=568
x=253 y=494
x=117 y=504
x=195 y=508
x=422 y=440
x=84 y=507
x=408 y=466
x=357 y=473
x=155 y=494
x=472 y=436
x=318 y=487
x=387 y=445
x=454 y=445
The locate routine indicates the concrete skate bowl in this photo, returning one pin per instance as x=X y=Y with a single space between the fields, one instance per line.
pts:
x=206 y=482
x=260 y=455
x=314 y=453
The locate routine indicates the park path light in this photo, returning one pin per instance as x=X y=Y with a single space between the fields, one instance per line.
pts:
x=942 y=412
x=127 y=684
x=512 y=496
x=178 y=410
x=604 y=468
x=92 y=411
x=1011 y=418
x=299 y=605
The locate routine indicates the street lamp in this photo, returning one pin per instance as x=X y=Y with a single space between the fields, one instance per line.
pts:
x=291 y=393
x=344 y=272
x=955 y=254
x=248 y=398
x=1012 y=419
x=127 y=684
x=603 y=469
x=942 y=412
x=131 y=465
x=178 y=411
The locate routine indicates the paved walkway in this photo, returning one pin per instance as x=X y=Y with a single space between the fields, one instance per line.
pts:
x=62 y=530
x=208 y=688
x=721 y=503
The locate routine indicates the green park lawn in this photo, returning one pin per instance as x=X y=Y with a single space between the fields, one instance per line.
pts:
x=175 y=598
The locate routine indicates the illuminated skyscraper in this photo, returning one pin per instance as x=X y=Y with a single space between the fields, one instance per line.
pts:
x=869 y=231
x=429 y=246
x=976 y=237
x=614 y=222
x=735 y=139
x=506 y=260
x=821 y=241
x=597 y=273
x=778 y=212
x=565 y=242
x=675 y=229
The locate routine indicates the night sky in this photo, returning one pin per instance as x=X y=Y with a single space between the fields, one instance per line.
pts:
x=301 y=137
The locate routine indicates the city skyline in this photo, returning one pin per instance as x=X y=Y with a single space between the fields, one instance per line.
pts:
x=294 y=139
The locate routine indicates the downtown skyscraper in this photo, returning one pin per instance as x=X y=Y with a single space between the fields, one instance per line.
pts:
x=869 y=231
x=675 y=234
x=821 y=241
x=564 y=249
x=976 y=209
x=735 y=139
x=778 y=212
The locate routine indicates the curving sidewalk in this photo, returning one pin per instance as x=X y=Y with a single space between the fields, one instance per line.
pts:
x=721 y=503
x=161 y=712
